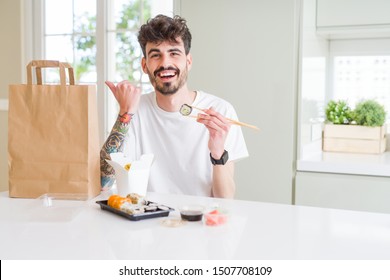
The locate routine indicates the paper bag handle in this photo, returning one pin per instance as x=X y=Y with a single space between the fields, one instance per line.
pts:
x=39 y=64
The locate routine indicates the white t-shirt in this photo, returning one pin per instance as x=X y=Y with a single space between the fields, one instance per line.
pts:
x=181 y=156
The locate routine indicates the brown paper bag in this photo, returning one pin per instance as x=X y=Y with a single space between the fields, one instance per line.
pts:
x=53 y=144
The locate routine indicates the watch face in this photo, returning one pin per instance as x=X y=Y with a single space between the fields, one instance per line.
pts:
x=225 y=157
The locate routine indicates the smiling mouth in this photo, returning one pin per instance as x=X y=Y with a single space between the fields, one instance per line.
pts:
x=166 y=75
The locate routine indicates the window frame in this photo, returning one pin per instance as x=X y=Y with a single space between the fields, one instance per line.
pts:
x=34 y=49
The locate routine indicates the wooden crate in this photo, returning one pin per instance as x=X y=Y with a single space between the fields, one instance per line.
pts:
x=354 y=139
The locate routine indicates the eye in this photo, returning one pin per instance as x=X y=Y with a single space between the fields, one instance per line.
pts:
x=175 y=53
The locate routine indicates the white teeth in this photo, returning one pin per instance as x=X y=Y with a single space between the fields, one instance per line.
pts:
x=168 y=74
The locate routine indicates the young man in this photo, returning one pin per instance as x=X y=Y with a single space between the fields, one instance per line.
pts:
x=193 y=157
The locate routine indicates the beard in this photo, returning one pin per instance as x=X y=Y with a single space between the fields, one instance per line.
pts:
x=168 y=88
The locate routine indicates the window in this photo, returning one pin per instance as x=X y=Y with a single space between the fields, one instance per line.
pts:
x=70 y=35
x=99 y=39
x=360 y=69
x=124 y=51
x=362 y=77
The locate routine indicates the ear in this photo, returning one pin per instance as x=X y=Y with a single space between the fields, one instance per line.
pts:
x=143 y=64
x=189 y=61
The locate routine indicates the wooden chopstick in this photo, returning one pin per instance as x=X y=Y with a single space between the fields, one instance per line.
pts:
x=231 y=120
x=243 y=124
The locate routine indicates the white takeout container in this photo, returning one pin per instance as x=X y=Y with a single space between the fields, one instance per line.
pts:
x=134 y=180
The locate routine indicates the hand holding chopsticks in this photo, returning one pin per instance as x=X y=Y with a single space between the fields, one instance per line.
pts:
x=186 y=110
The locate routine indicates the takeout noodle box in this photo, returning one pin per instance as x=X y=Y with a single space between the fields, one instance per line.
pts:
x=134 y=180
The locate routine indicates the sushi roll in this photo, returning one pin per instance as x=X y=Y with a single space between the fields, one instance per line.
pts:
x=136 y=198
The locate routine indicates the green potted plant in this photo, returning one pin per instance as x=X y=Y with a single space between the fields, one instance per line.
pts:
x=338 y=112
x=361 y=130
x=369 y=113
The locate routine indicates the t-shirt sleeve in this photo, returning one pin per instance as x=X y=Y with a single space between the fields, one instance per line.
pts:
x=235 y=142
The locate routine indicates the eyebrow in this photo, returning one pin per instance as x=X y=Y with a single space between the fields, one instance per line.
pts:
x=170 y=50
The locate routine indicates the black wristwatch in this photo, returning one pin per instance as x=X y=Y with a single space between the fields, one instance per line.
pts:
x=224 y=158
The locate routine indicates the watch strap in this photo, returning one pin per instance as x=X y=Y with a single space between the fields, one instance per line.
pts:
x=222 y=161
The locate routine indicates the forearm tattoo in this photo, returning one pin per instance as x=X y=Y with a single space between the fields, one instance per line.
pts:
x=113 y=144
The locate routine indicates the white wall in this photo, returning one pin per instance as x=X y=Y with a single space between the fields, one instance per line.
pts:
x=246 y=52
x=10 y=72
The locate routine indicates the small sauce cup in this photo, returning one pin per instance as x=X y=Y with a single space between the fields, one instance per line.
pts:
x=191 y=213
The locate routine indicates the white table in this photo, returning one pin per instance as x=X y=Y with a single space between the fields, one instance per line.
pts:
x=255 y=231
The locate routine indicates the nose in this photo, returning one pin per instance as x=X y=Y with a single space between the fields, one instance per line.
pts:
x=165 y=61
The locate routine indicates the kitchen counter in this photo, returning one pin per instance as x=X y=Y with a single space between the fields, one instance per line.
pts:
x=254 y=230
x=345 y=163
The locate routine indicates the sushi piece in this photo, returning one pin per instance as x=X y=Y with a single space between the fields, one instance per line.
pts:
x=136 y=198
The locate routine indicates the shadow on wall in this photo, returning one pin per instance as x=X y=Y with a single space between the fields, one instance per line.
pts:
x=388 y=141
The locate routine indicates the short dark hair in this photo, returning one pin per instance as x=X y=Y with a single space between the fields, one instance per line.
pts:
x=163 y=28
